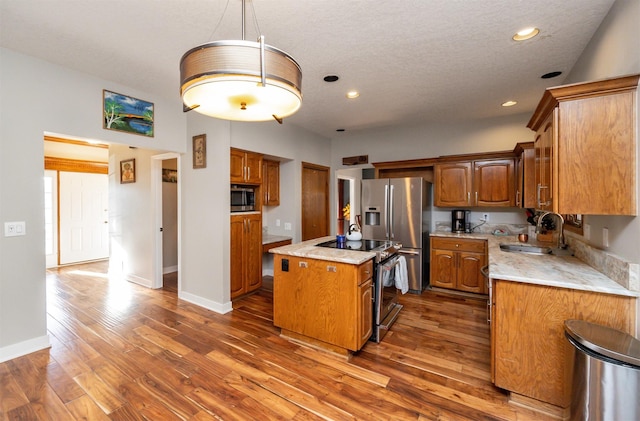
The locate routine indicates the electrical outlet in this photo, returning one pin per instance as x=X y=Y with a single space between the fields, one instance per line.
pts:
x=587 y=232
x=287 y=226
x=277 y=222
x=485 y=217
x=605 y=237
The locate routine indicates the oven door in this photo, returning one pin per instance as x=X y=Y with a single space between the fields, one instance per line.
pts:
x=386 y=307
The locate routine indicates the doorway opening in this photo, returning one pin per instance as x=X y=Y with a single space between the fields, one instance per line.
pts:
x=165 y=173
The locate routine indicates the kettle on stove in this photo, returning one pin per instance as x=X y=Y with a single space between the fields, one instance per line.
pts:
x=354 y=233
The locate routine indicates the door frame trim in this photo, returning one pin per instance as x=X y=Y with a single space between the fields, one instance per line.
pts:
x=156 y=194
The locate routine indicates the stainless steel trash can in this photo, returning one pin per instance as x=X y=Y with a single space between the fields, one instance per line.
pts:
x=606 y=373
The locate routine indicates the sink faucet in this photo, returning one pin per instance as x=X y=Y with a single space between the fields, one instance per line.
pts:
x=561 y=244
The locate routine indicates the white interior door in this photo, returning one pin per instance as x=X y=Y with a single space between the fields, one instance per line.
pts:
x=51 y=217
x=84 y=228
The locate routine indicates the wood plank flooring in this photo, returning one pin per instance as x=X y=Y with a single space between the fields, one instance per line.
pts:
x=123 y=352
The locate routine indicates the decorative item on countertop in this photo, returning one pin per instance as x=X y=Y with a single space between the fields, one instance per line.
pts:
x=354 y=233
x=523 y=238
x=340 y=239
x=500 y=232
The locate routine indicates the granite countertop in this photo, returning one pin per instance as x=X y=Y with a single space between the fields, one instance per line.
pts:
x=271 y=238
x=309 y=250
x=557 y=271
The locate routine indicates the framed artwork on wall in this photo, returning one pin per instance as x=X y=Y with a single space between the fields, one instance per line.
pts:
x=169 y=175
x=200 y=151
x=128 y=171
x=127 y=114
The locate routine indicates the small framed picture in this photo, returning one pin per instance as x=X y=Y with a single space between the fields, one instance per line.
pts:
x=200 y=151
x=128 y=171
x=169 y=176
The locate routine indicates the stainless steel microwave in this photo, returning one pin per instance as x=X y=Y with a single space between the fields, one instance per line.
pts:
x=243 y=198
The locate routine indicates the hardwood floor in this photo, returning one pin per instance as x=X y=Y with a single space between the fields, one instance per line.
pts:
x=123 y=352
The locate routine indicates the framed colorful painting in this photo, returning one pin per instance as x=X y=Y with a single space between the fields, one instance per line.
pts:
x=127 y=114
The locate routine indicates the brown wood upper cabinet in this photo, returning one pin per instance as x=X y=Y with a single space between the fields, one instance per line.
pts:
x=585 y=148
x=271 y=182
x=246 y=167
x=525 y=175
x=487 y=182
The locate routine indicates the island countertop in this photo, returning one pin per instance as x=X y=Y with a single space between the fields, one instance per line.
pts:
x=310 y=250
x=557 y=271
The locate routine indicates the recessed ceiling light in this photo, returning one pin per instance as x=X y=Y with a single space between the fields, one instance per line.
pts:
x=550 y=75
x=526 y=33
x=509 y=103
x=353 y=94
x=331 y=78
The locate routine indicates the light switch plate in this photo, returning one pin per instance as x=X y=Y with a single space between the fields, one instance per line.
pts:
x=14 y=229
x=587 y=231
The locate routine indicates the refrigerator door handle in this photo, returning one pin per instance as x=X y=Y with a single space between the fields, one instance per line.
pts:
x=386 y=210
x=392 y=236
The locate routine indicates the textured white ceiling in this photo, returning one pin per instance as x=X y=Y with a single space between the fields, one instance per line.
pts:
x=412 y=60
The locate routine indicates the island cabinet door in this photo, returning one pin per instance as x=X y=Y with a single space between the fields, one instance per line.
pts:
x=317 y=299
x=365 y=311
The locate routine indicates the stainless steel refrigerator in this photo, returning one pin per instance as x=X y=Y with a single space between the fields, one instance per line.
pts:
x=399 y=209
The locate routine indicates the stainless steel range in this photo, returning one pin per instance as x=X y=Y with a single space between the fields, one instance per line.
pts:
x=385 y=297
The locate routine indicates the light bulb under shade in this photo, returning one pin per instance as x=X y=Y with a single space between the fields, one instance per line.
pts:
x=217 y=78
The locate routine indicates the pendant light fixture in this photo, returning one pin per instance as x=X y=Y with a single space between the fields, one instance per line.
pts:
x=240 y=80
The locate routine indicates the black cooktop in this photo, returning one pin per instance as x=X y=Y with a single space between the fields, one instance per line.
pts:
x=362 y=245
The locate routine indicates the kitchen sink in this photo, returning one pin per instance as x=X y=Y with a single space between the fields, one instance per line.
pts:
x=525 y=248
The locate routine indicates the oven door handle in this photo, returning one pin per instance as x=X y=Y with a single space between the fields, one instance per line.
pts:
x=406 y=251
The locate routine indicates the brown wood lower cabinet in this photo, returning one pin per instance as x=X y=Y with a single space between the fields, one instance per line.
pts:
x=530 y=354
x=456 y=264
x=246 y=254
x=327 y=302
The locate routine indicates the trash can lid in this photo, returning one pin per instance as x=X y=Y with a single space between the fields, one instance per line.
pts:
x=604 y=340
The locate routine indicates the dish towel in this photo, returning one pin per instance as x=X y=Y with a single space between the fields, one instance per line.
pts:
x=387 y=278
x=402 y=278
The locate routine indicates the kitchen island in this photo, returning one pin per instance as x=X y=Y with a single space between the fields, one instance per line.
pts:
x=323 y=296
x=530 y=297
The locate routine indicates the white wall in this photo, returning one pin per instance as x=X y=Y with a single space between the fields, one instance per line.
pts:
x=38 y=97
x=613 y=51
x=204 y=270
x=132 y=229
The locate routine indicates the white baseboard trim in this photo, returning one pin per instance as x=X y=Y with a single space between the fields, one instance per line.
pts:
x=138 y=280
x=169 y=269
x=221 y=308
x=23 y=348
